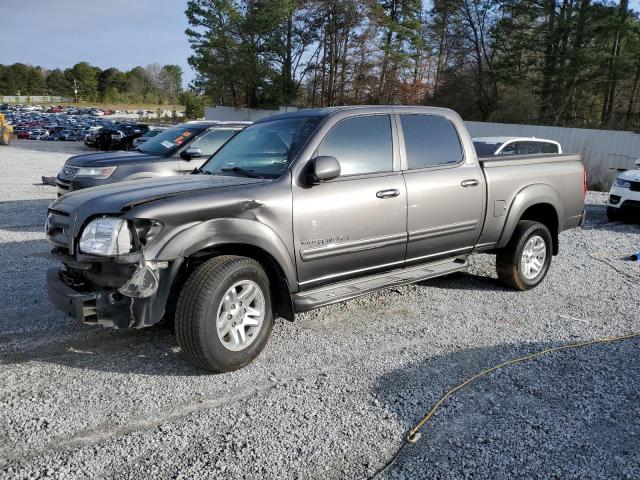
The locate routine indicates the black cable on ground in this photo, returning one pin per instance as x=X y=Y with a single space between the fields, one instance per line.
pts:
x=414 y=434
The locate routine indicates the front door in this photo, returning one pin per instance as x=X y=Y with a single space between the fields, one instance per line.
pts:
x=445 y=189
x=356 y=223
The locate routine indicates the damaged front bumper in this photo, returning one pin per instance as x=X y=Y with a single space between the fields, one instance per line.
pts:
x=140 y=302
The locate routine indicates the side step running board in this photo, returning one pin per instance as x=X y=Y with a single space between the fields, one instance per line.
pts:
x=346 y=290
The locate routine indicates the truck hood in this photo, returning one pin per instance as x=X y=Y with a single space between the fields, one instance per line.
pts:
x=108 y=159
x=118 y=197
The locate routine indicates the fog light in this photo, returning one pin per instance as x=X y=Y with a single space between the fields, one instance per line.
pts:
x=143 y=283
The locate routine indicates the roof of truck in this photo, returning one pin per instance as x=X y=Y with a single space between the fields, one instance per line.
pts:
x=326 y=111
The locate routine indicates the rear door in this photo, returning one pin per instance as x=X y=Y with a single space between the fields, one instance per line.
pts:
x=354 y=224
x=445 y=190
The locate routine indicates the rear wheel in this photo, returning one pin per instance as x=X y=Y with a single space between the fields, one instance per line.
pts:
x=525 y=261
x=224 y=316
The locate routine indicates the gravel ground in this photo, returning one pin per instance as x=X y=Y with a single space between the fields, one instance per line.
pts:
x=334 y=393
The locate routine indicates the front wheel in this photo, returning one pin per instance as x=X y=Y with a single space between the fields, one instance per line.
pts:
x=223 y=316
x=525 y=261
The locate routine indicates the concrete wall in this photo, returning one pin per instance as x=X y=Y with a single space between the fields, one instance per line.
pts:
x=604 y=152
x=242 y=114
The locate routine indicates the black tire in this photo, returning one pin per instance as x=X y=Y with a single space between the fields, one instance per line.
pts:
x=613 y=214
x=197 y=310
x=508 y=260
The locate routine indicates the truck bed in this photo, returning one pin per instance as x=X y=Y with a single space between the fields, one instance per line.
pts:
x=554 y=179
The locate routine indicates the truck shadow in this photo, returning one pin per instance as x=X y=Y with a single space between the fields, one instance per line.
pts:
x=561 y=415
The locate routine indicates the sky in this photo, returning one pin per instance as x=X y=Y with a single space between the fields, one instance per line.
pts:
x=105 y=33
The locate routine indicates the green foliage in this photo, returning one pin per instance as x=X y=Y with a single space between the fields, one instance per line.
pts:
x=21 y=79
x=58 y=84
x=569 y=62
x=193 y=103
x=93 y=84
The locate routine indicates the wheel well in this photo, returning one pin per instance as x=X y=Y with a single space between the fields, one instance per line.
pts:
x=280 y=294
x=546 y=214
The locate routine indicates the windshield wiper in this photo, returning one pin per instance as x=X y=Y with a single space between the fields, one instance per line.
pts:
x=241 y=171
x=200 y=171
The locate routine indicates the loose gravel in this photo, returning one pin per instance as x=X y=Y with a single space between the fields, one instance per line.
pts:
x=334 y=392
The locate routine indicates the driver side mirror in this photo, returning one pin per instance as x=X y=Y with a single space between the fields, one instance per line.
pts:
x=323 y=168
x=190 y=153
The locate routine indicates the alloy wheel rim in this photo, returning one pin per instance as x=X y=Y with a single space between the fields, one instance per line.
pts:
x=240 y=315
x=533 y=257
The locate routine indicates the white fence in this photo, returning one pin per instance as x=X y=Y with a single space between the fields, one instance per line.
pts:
x=227 y=114
x=604 y=152
x=33 y=99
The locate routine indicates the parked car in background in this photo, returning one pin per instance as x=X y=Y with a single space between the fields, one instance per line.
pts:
x=302 y=210
x=119 y=136
x=91 y=138
x=488 y=146
x=624 y=196
x=178 y=150
x=150 y=134
x=38 y=134
x=68 y=136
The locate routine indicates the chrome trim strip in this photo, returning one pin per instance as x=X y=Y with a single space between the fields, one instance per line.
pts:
x=439 y=254
x=483 y=245
x=357 y=246
x=351 y=272
x=443 y=230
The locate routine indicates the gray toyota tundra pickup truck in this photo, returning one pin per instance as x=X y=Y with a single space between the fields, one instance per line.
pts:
x=303 y=210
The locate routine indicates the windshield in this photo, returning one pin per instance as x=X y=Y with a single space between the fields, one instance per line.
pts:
x=167 y=142
x=264 y=149
x=486 y=149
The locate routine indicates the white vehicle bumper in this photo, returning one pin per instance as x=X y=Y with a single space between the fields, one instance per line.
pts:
x=624 y=199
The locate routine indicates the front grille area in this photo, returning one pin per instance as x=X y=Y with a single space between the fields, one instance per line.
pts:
x=634 y=186
x=57 y=227
x=68 y=173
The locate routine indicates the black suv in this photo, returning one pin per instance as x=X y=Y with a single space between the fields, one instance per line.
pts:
x=119 y=136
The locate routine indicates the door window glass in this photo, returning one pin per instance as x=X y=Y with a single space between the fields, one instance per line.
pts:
x=361 y=145
x=549 y=148
x=511 y=149
x=430 y=140
x=212 y=140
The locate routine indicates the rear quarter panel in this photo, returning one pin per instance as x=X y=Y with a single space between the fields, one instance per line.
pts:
x=516 y=183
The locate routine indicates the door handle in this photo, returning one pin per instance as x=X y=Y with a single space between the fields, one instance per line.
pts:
x=470 y=183
x=392 y=192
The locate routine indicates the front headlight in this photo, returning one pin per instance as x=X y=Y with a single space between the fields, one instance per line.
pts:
x=106 y=237
x=96 y=172
x=622 y=183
